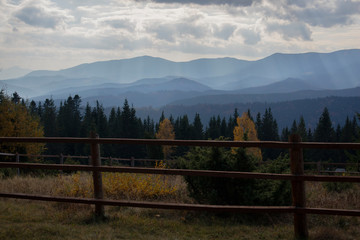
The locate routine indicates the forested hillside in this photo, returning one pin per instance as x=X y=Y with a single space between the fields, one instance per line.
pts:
x=284 y=112
x=70 y=120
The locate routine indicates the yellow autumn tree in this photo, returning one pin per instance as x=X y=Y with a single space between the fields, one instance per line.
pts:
x=16 y=121
x=246 y=131
x=166 y=131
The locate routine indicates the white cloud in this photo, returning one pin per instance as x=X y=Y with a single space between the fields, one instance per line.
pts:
x=60 y=32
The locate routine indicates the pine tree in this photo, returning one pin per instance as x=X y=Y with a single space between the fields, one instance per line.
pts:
x=301 y=129
x=33 y=108
x=324 y=131
x=348 y=132
x=285 y=134
x=223 y=128
x=198 y=131
x=294 y=127
x=48 y=120
x=268 y=131
x=213 y=131
x=69 y=123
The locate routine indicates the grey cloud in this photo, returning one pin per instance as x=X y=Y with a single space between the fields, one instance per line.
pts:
x=239 y=3
x=299 y=3
x=224 y=31
x=39 y=17
x=14 y=2
x=36 y=16
x=164 y=32
x=315 y=13
x=121 y=24
x=326 y=17
x=250 y=37
x=294 y=30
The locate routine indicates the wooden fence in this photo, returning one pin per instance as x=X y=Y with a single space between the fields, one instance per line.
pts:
x=297 y=177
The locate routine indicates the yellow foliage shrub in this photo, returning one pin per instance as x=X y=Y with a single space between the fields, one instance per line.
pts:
x=122 y=185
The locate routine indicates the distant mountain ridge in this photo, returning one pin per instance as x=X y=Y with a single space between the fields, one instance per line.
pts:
x=152 y=81
x=13 y=72
x=234 y=97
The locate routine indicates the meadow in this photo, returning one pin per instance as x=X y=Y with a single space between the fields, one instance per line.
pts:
x=23 y=219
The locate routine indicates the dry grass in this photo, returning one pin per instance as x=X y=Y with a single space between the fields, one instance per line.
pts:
x=333 y=227
x=129 y=186
x=115 y=185
x=41 y=220
x=318 y=196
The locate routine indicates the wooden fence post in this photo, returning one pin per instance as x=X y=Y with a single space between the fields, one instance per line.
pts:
x=132 y=162
x=298 y=188
x=97 y=177
x=17 y=159
x=318 y=165
x=61 y=161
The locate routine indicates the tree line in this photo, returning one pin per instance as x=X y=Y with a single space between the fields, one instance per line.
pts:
x=70 y=119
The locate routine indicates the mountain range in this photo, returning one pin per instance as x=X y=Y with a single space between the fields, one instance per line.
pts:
x=149 y=81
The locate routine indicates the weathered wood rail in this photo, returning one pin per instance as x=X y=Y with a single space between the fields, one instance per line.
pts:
x=296 y=177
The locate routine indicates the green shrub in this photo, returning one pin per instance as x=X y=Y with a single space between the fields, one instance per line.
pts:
x=274 y=192
x=214 y=190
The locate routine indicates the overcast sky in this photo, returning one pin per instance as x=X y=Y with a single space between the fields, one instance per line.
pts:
x=56 y=34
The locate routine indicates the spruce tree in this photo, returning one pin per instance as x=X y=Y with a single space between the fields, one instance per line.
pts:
x=197 y=126
x=324 y=132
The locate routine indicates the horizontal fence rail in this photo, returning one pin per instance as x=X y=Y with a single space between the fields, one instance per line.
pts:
x=203 y=143
x=183 y=206
x=184 y=172
x=296 y=177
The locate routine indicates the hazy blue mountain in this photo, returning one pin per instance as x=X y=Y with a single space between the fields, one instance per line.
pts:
x=334 y=70
x=221 y=79
x=139 y=99
x=285 y=86
x=145 y=92
x=130 y=70
x=235 y=97
x=13 y=72
x=10 y=89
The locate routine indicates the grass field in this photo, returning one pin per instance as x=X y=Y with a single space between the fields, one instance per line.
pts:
x=22 y=219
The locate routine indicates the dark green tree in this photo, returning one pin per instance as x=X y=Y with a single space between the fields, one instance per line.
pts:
x=268 y=131
x=197 y=128
x=324 y=132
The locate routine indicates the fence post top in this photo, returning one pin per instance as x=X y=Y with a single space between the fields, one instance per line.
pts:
x=93 y=134
x=295 y=138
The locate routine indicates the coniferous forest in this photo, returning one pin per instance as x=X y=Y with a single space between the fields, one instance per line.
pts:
x=69 y=119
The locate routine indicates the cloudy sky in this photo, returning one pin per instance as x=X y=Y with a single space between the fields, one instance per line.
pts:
x=56 y=34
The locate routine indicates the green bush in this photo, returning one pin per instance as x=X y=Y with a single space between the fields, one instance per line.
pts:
x=214 y=190
x=274 y=192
